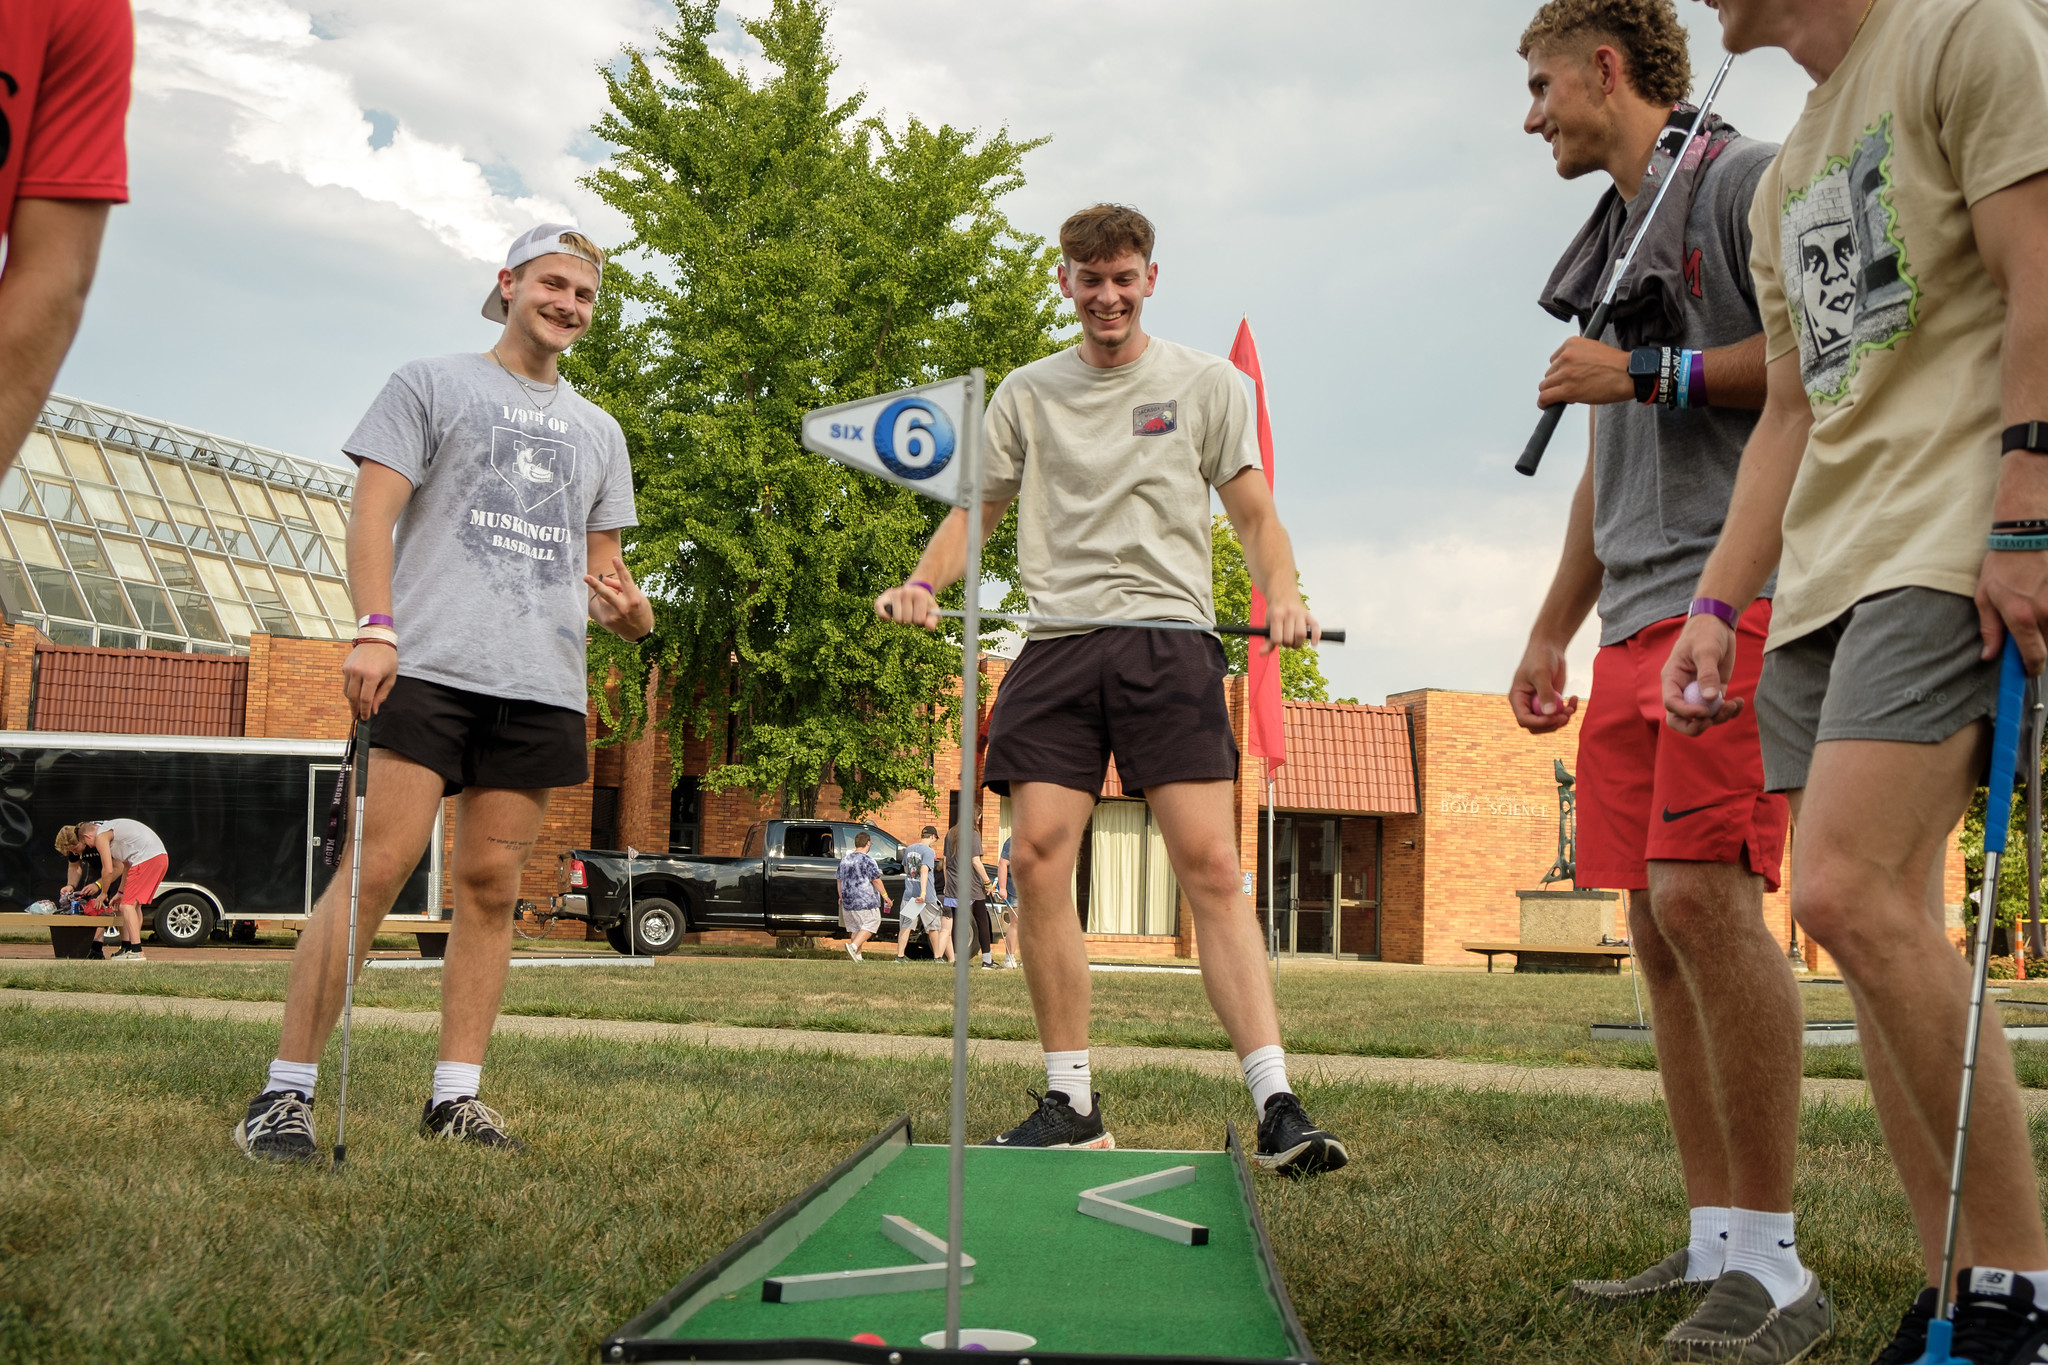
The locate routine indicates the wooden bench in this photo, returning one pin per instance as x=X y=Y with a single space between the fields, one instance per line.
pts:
x=77 y=936
x=1555 y=957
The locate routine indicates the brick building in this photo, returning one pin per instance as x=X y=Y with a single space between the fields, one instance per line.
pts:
x=1397 y=831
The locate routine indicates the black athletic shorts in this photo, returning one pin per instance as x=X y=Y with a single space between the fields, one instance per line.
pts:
x=471 y=740
x=1154 y=698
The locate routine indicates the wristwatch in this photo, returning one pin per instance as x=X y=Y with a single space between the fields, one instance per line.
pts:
x=1646 y=369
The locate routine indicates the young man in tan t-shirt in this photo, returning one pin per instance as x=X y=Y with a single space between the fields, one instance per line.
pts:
x=1901 y=265
x=1110 y=450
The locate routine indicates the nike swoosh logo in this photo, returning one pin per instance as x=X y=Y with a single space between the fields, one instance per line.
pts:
x=1670 y=814
x=1002 y=1141
x=1788 y=1245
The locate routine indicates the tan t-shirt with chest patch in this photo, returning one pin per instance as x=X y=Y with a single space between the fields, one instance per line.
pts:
x=1111 y=470
x=1866 y=263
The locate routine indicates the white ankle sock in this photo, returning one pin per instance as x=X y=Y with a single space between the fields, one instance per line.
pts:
x=1265 y=1071
x=299 y=1076
x=1762 y=1245
x=453 y=1080
x=1709 y=1245
x=1067 y=1072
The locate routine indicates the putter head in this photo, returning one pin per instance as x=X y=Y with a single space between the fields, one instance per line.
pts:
x=340 y=1155
x=1938 y=1334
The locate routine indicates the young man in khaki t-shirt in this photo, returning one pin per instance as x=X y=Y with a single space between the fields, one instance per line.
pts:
x=1901 y=264
x=1110 y=450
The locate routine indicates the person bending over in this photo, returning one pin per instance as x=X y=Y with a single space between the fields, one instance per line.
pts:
x=1902 y=275
x=1110 y=450
x=132 y=861
x=485 y=530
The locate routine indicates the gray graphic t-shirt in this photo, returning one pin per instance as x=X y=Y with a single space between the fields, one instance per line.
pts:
x=487 y=577
x=1662 y=477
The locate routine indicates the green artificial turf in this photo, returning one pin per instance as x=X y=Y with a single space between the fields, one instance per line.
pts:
x=1074 y=1283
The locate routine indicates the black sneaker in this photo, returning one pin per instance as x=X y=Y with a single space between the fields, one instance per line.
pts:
x=1290 y=1143
x=1909 y=1343
x=278 y=1128
x=1055 y=1124
x=467 y=1119
x=1997 y=1321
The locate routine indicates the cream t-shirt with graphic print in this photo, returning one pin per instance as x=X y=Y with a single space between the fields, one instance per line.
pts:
x=1865 y=261
x=1111 y=469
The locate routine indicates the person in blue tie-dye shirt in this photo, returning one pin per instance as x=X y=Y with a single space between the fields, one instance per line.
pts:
x=862 y=895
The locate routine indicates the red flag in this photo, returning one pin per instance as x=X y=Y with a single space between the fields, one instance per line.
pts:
x=1268 y=735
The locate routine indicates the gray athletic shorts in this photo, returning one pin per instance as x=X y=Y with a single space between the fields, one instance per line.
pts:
x=1901 y=666
x=923 y=914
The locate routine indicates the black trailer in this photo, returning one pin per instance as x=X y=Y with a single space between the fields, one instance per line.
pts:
x=242 y=820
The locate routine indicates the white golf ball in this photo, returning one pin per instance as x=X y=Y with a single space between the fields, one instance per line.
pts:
x=1693 y=698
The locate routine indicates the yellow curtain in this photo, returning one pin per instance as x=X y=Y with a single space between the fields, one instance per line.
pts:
x=1118 y=854
x=1162 y=891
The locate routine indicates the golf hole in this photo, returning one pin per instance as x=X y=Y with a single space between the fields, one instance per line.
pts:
x=988 y=1338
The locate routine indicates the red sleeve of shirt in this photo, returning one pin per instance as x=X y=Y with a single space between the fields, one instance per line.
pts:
x=77 y=145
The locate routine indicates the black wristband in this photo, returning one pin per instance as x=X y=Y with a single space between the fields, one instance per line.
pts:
x=2031 y=437
x=2033 y=524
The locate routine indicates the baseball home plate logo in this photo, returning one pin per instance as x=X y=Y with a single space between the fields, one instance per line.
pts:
x=534 y=467
x=1155 y=419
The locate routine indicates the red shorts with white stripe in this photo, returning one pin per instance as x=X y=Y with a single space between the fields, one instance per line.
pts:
x=1647 y=792
x=138 y=886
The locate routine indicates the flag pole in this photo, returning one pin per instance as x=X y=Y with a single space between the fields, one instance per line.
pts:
x=1272 y=904
x=965 y=828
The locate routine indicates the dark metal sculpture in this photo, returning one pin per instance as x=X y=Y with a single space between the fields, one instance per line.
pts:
x=1566 y=866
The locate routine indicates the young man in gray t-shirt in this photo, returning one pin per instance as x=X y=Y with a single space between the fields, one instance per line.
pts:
x=1687 y=830
x=483 y=535
x=1110 y=449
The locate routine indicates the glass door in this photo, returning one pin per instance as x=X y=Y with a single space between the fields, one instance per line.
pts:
x=1281 y=880
x=1316 y=851
x=1358 y=878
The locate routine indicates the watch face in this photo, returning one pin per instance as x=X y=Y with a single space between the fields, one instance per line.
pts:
x=1645 y=363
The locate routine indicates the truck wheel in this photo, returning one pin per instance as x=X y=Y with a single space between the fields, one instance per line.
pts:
x=657 y=926
x=183 y=919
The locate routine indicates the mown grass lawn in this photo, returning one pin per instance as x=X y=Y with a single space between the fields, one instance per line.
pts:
x=131 y=1230
x=1531 y=1020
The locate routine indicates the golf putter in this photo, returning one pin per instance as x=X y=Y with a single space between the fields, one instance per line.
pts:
x=2005 y=743
x=361 y=750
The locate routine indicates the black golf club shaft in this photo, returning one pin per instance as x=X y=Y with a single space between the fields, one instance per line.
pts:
x=1546 y=425
x=1329 y=637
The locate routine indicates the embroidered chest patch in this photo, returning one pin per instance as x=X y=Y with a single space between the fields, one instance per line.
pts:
x=1155 y=419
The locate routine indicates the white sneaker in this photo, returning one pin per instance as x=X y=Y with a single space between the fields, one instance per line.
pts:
x=128 y=955
x=853 y=952
x=1009 y=962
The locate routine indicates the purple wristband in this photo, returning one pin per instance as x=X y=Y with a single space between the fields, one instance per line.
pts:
x=920 y=583
x=1714 y=606
x=377 y=618
x=1696 y=384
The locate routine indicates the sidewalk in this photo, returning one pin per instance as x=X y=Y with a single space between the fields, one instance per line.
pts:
x=1639 y=1087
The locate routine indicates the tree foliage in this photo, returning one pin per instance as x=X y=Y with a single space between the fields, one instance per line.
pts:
x=797 y=253
x=1301 y=673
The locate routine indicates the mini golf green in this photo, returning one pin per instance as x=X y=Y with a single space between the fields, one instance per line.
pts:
x=1086 y=1289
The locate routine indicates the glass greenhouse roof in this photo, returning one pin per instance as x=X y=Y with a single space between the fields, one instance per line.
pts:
x=133 y=533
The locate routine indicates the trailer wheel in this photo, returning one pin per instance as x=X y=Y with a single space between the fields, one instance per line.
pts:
x=183 y=919
x=657 y=926
x=615 y=934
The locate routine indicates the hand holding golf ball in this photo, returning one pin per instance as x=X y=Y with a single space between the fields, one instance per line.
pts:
x=1693 y=698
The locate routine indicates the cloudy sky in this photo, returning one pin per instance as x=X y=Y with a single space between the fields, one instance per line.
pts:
x=322 y=193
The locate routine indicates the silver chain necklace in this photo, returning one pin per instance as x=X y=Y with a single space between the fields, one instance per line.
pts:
x=533 y=392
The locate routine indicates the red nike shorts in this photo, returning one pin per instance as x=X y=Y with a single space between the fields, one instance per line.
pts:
x=139 y=886
x=1646 y=791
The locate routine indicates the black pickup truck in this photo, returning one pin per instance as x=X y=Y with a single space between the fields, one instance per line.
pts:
x=785 y=881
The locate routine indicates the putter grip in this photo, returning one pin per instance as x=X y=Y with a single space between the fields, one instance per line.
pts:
x=2005 y=748
x=362 y=759
x=1539 y=440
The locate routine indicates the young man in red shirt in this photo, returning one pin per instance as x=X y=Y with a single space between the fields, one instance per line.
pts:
x=64 y=68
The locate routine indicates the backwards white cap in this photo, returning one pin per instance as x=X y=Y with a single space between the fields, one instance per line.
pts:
x=540 y=241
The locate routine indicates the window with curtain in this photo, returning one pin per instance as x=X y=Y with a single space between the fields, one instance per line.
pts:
x=1132 y=889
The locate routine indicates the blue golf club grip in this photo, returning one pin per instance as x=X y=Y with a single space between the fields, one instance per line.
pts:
x=2005 y=748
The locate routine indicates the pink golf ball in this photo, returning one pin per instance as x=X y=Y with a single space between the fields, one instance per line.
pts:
x=1693 y=698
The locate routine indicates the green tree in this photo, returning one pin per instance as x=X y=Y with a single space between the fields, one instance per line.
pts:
x=796 y=253
x=2012 y=867
x=1301 y=673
